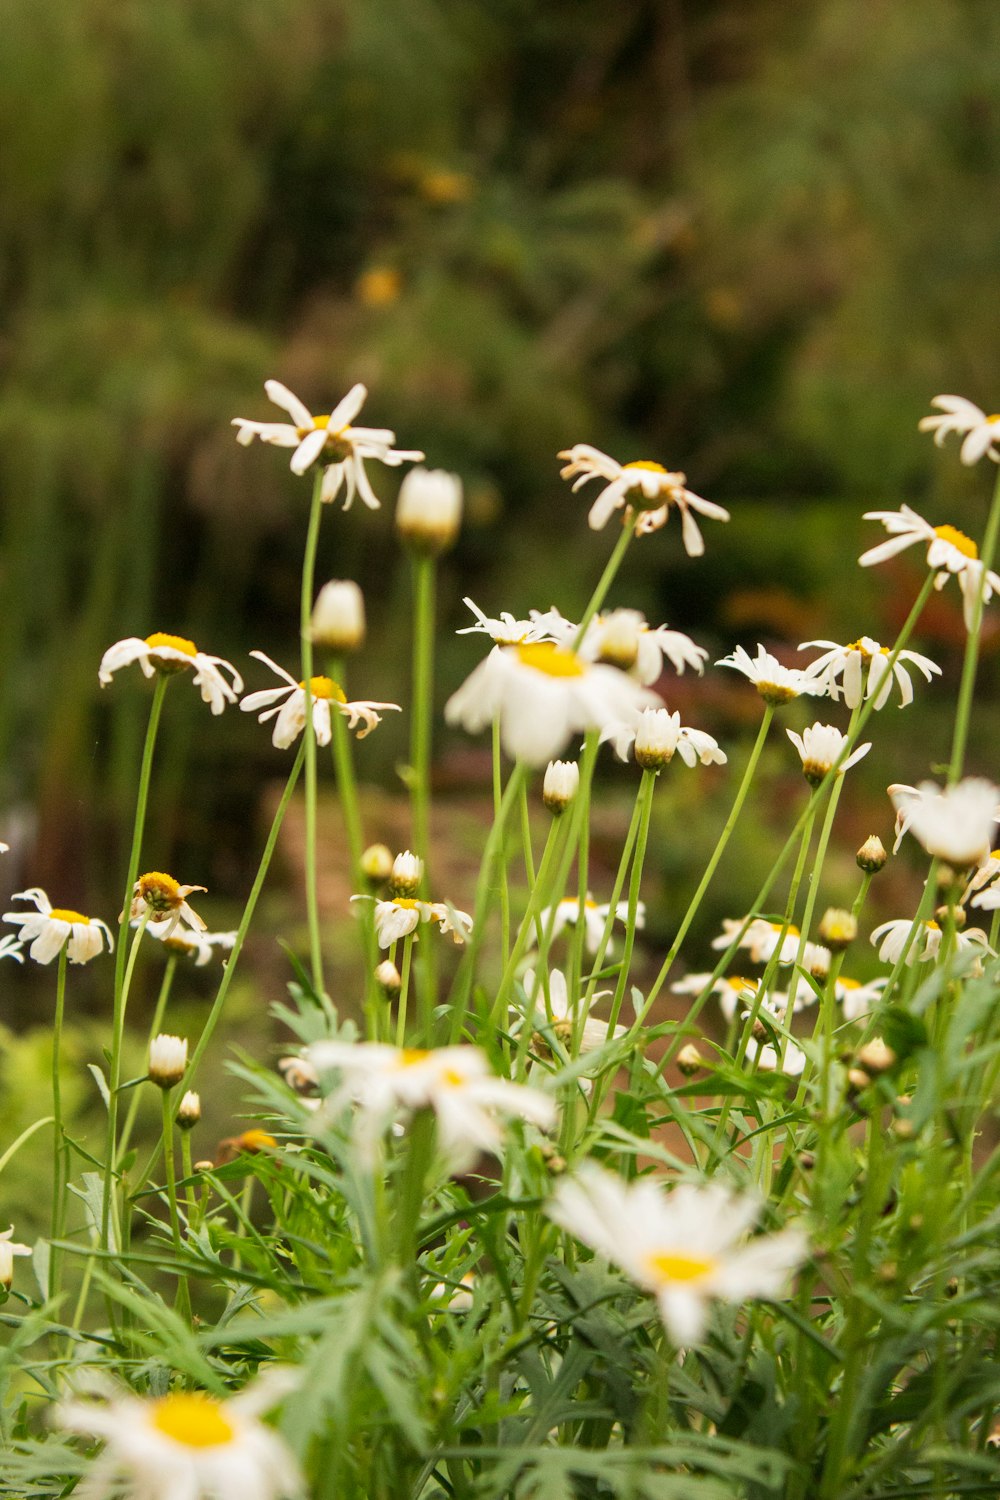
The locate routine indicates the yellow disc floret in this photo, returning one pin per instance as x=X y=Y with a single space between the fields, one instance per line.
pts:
x=410 y=1057
x=325 y=687
x=193 y=1419
x=645 y=463
x=545 y=657
x=958 y=540
x=61 y=914
x=160 y=892
x=175 y=642
x=670 y=1265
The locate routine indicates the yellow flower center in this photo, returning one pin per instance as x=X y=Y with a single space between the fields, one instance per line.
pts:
x=453 y=1078
x=337 y=439
x=958 y=540
x=850 y=984
x=255 y=1140
x=670 y=1265
x=406 y=902
x=411 y=1056
x=325 y=687
x=175 y=642
x=160 y=892
x=647 y=464
x=62 y=914
x=545 y=657
x=194 y=1419
x=932 y=927
x=791 y=931
x=993 y=418
x=738 y=983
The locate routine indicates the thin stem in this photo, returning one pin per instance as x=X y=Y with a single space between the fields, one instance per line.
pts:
x=404 y=988
x=424 y=579
x=168 y=1165
x=604 y=583
x=155 y=1028
x=645 y=805
x=504 y=883
x=309 y=738
x=60 y=1153
x=347 y=787
x=963 y=712
x=111 y=1151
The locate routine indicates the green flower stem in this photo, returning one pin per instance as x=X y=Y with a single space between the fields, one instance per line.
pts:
x=188 y=1170
x=404 y=989
x=168 y=1165
x=347 y=787
x=963 y=712
x=536 y=901
x=155 y=1028
x=309 y=738
x=110 y=1158
x=604 y=583
x=424 y=590
x=504 y=884
x=644 y=804
x=616 y=892
x=247 y=917
x=576 y=945
x=529 y=858
x=60 y=1152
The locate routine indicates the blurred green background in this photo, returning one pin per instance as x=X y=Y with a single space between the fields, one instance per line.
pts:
x=744 y=238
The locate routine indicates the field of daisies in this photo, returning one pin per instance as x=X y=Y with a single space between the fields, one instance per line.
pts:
x=506 y=1216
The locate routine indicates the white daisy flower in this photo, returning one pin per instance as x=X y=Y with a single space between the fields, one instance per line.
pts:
x=333 y=440
x=787 y=1057
x=858 y=1000
x=729 y=990
x=959 y=415
x=648 y=489
x=860 y=671
x=506 y=629
x=761 y=939
x=199 y=947
x=656 y=735
x=455 y=1082
x=290 y=716
x=8 y=1249
x=542 y=696
x=949 y=552
x=775 y=684
x=188 y=1445
x=953 y=823
x=682 y=1246
x=167 y=654
x=623 y=638
x=165 y=901
x=890 y=937
x=820 y=747
x=567 y=914
x=562 y=1014
x=10 y=947
x=49 y=929
x=402 y=915
x=456 y=1297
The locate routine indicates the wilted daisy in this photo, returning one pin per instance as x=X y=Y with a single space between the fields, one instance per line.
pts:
x=49 y=929
x=402 y=915
x=8 y=1249
x=648 y=489
x=557 y=1010
x=188 y=1445
x=775 y=684
x=160 y=896
x=860 y=670
x=953 y=823
x=949 y=552
x=820 y=747
x=567 y=914
x=655 y=736
x=890 y=938
x=290 y=716
x=543 y=695
x=956 y=414
x=199 y=947
x=468 y=1100
x=172 y=653
x=682 y=1246
x=339 y=446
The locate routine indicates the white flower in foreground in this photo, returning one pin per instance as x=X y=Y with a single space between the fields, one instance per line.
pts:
x=188 y=1445
x=8 y=1249
x=199 y=947
x=290 y=716
x=10 y=947
x=429 y=510
x=160 y=896
x=567 y=914
x=506 y=629
x=341 y=447
x=682 y=1246
x=172 y=653
x=49 y=929
x=949 y=552
x=468 y=1100
x=860 y=670
x=953 y=823
x=820 y=746
x=956 y=414
x=563 y=1014
x=648 y=489
x=775 y=684
x=402 y=915
x=655 y=736
x=891 y=937
x=542 y=696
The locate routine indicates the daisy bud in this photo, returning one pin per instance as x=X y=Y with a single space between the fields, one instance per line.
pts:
x=690 y=1060
x=167 y=1060
x=338 y=617
x=406 y=874
x=655 y=739
x=561 y=784
x=376 y=863
x=429 y=510
x=838 y=928
x=389 y=977
x=189 y=1110
x=858 y=1079
x=871 y=856
x=876 y=1057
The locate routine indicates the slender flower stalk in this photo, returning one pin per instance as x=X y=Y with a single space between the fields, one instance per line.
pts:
x=169 y=1168
x=422 y=700
x=504 y=882
x=404 y=989
x=114 y=1080
x=305 y=627
x=963 y=710
x=60 y=1154
x=644 y=803
x=156 y=1026
x=342 y=750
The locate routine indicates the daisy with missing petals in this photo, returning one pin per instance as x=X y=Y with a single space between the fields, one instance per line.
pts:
x=647 y=489
x=682 y=1246
x=167 y=654
x=49 y=929
x=956 y=414
x=326 y=695
x=161 y=898
x=402 y=915
x=949 y=552
x=542 y=696
x=188 y=1445
x=891 y=937
x=332 y=440
x=953 y=823
x=655 y=736
x=385 y=1083
x=761 y=939
x=775 y=684
x=860 y=671
x=567 y=914
x=820 y=748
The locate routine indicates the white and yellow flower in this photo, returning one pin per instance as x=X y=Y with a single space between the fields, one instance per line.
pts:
x=775 y=683
x=167 y=654
x=333 y=440
x=891 y=937
x=949 y=553
x=858 y=1000
x=542 y=695
x=820 y=748
x=737 y=990
x=655 y=735
x=860 y=671
x=648 y=489
x=188 y=1445
x=623 y=638
x=761 y=939
x=786 y=1057
x=199 y=947
x=556 y=1010
x=953 y=823
x=402 y=915
x=49 y=929
x=506 y=629
x=567 y=914
x=326 y=696
x=683 y=1246
x=8 y=1249
x=159 y=896
x=956 y=414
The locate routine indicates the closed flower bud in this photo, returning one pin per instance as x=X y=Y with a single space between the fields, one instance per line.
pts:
x=838 y=928
x=655 y=739
x=561 y=784
x=167 y=1060
x=858 y=1079
x=871 y=856
x=406 y=874
x=376 y=863
x=388 y=976
x=690 y=1060
x=189 y=1110
x=338 y=617
x=876 y=1057
x=429 y=510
